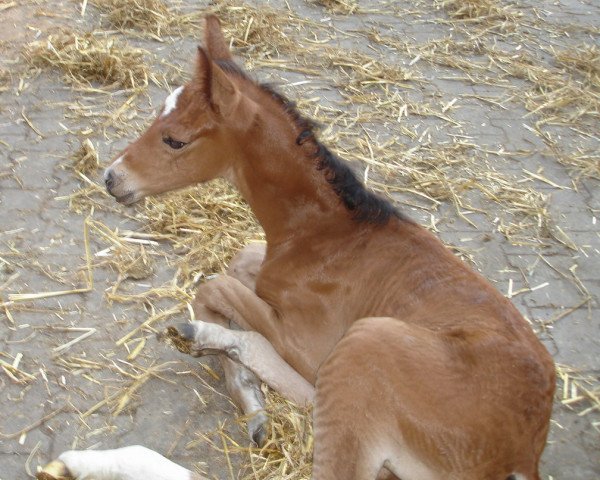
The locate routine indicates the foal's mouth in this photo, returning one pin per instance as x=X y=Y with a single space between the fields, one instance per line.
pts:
x=127 y=199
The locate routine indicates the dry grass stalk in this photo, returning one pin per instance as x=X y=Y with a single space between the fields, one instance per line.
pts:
x=148 y=17
x=4 y=80
x=16 y=374
x=126 y=395
x=583 y=163
x=578 y=390
x=263 y=31
x=480 y=11
x=88 y=60
x=345 y=7
x=361 y=70
x=85 y=160
x=206 y=225
x=288 y=452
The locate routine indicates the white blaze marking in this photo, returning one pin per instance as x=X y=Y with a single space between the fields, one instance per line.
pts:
x=171 y=101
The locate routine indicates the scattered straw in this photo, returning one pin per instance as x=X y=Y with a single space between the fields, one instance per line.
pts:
x=87 y=60
x=579 y=391
x=5 y=80
x=85 y=160
x=206 y=225
x=571 y=93
x=258 y=31
x=478 y=10
x=288 y=451
x=148 y=17
x=361 y=71
x=339 y=6
x=584 y=58
x=23 y=297
x=584 y=163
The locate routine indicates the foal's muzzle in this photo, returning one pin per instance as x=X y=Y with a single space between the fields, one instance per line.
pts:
x=112 y=181
x=109 y=180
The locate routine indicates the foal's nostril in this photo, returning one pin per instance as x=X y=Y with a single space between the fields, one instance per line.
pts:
x=109 y=180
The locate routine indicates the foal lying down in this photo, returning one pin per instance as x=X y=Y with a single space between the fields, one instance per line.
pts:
x=417 y=367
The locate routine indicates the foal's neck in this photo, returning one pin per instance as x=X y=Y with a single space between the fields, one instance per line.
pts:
x=288 y=193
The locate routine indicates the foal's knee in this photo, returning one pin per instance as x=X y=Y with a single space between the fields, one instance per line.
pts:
x=247 y=262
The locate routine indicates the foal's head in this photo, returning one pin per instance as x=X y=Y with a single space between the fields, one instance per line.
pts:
x=191 y=139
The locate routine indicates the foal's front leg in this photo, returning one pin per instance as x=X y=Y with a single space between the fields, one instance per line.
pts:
x=232 y=299
x=250 y=349
x=242 y=384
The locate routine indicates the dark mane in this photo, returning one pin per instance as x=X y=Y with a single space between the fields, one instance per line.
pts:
x=365 y=205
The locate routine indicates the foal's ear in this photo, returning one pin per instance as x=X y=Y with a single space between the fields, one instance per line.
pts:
x=220 y=92
x=214 y=41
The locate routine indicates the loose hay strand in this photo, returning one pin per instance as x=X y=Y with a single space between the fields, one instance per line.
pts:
x=154 y=18
x=345 y=7
x=87 y=60
x=288 y=451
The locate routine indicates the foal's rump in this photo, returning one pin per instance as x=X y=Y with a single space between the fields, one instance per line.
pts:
x=406 y=398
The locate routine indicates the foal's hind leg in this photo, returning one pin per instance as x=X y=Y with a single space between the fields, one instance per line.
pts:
x=242 y=384
x=355 y=417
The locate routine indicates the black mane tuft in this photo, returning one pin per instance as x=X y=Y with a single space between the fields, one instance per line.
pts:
x=365 y=205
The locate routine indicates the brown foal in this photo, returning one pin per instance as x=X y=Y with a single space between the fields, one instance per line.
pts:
x=418 y=368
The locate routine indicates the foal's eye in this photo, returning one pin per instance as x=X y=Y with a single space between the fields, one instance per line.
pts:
x=176 y=144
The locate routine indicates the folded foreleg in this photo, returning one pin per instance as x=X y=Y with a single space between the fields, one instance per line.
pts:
x=250 y=349
x=242 y=384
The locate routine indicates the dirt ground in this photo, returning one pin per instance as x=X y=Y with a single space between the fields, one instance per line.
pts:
x=482 y=124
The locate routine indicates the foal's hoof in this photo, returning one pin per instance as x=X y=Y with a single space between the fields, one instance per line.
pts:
x=55 y=470
x=186 y=331
x=258 y=428
x=180 y=336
